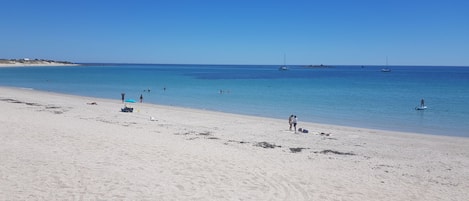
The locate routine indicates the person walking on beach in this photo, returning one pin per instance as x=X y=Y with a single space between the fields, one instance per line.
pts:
x=123 y=96
x=141 y=98
x=294 y=122
x=290 y=121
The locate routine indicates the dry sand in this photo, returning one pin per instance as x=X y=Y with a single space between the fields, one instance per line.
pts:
x=58 y=147
x=5 y=65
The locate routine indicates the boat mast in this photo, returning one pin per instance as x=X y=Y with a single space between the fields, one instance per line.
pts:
x=284 y=59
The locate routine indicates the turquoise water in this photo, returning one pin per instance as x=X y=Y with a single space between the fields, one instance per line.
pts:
x=344 y=95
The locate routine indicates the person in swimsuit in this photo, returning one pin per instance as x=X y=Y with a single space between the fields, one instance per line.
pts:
x=290 y=121
x=294 y=122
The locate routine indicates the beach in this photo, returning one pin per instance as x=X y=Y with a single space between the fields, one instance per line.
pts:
x=16 y=65
x=64 y=147
x=33 y=63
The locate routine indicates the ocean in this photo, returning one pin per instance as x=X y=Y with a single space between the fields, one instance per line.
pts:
x=359 y=96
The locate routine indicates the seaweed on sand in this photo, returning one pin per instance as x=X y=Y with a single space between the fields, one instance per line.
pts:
x=266 y=145
x=327 y=151
x=298 y=149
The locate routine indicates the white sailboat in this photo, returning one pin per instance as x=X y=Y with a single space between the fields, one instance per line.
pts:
x=284 y=67
x=386 y=70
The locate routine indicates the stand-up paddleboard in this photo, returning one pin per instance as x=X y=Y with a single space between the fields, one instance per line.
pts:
x=421 y=107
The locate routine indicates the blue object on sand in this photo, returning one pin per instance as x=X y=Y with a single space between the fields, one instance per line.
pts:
x=130 y=101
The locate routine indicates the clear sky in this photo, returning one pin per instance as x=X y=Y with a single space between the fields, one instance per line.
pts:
x=357 y=32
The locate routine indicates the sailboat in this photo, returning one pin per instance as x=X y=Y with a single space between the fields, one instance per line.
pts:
x=284 y=67
x=386 y=70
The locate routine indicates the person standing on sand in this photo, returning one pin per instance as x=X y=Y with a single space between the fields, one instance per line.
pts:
x=141 y=98
x=290 y=121
x=294 y=122
x=123 y=96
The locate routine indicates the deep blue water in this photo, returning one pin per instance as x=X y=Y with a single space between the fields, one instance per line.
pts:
x=344 y=95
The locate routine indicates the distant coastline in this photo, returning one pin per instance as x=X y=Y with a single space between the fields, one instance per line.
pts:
x=319 y=66
x=33 y=62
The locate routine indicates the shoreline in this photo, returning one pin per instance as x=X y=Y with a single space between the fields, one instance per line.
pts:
x=345 y=127
x=5 y=63
x=60 y=146
x=19 y=65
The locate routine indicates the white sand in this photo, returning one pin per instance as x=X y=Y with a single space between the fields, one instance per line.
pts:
x=3 y=65
x=57 y=147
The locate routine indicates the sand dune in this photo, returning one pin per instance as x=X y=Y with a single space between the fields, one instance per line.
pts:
x=58 y=147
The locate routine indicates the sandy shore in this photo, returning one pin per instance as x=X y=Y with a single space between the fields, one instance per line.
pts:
x=3 y=65
x=60 y=147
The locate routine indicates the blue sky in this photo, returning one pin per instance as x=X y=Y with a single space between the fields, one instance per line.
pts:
x=357 y=32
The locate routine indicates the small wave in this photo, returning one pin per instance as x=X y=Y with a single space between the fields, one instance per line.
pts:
x=25 y=88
